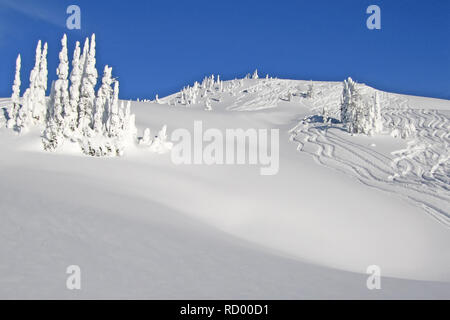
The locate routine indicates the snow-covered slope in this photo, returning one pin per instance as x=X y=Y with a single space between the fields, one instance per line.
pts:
x=140 y=226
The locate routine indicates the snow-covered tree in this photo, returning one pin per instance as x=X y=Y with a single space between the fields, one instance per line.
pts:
x=212 y=81
x=71 y=112
x=160 y=143
x=40 y=88
x=121 y=120
x=87 y=91
x=104 y=139
x=24 y=115
x=33 y=104
x=346 y=99
x=61 y=101
x=84 y=55
x=81 y=112
x=103 y=100
x=33 y=88
x=99 y=112
x=375 y=115
x=353 y=111
x=15 y=97
x=146 y=138
x=52 y=136
x=129 y=123
x=255 y=74
x=359 y=115
x=113 y=122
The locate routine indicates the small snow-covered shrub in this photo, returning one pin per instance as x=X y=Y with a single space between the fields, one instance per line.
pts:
x=15 y=97
x=159 y=143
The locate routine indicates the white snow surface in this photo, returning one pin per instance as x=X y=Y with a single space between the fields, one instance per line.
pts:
x=140 y=226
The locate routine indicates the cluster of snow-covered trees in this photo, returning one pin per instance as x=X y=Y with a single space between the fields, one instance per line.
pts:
x=358 y=114
x=74 y=112
x=190 y=95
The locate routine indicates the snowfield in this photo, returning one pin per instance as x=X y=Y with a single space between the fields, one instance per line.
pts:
x=140 y=226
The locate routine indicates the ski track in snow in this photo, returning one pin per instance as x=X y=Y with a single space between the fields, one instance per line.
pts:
x=419 y=172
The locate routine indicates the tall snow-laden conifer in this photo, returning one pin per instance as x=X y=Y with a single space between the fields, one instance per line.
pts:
x=102 y=102
x=348 y=106
x=71 y=112
x=15 y=97
x=61 y=99
x=40 y=104
x=113 y=123
x=87 y=91
x=81 y=102
x=377 y=121
x=52 y=136
x=32 y=94
x=84 y=55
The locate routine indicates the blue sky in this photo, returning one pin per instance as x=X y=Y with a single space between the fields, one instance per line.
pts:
x=160 y=46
